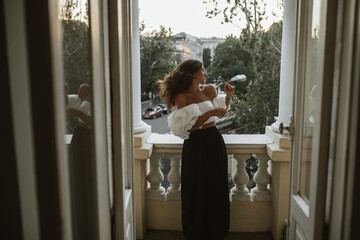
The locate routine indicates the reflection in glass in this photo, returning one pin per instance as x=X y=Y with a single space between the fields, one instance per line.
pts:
x=76 y=66
x=313 y=74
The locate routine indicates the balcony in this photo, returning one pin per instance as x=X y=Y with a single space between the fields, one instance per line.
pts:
x=258 y=206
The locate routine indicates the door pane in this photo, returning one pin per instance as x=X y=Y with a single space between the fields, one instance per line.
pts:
x=74 y=17
x=313 y=75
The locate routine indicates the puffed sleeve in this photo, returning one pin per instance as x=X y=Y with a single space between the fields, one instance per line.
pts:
x=219 y=101
x=74 y=101
x=182 y=120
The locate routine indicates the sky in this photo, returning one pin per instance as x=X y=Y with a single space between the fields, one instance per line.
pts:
x=190 y=16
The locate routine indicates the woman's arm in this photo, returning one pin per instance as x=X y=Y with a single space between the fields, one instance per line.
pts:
x=79 y=114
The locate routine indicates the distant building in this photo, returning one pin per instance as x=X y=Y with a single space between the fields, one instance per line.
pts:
x=191 y=47
x=211 y=43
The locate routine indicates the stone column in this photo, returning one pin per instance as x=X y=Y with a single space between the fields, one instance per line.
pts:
x=287 y=65
x=139 y=125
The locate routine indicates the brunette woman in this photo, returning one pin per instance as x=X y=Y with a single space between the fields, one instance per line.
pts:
x=81 y=162
x=204 y=177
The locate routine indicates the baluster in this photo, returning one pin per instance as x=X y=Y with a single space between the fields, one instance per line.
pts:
x=262 y=179
x=250 y=184
x=240 y=178
x=155 y=178
x=174 y=177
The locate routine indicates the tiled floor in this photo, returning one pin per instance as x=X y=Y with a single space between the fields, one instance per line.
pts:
x=173 y=235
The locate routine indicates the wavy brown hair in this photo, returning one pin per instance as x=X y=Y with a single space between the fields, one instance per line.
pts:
x=179 y=80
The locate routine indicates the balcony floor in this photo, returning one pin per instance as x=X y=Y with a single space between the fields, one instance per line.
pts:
x=174 y=235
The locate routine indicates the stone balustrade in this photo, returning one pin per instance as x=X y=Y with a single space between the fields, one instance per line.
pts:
x=251 y=208
x=240 y=178
x=258 y=203
x=239 y=148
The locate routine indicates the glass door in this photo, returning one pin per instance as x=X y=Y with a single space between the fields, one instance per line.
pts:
x=96 y=41
x=87 y=116
x=312 y=102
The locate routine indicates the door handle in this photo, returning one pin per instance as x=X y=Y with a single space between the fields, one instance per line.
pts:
x=289 y=127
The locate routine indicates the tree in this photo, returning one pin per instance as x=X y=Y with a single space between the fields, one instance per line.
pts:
x=255 y=107
x=157 y=57
x=206 y=57
x=76 y=48
x=252 y=10
x=231 y=59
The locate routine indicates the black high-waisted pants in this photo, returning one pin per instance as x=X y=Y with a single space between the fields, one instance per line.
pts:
x=204 y=186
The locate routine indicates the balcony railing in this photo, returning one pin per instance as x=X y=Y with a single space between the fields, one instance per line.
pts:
x=259 y=204
x=239 y=147
x=251 y=210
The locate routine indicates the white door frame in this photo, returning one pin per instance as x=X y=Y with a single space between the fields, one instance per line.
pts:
x=342 y=158
x=122 y=124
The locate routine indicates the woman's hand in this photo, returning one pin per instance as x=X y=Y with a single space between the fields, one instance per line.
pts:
x=217 y=112
x=229 y=90
x=79 y=114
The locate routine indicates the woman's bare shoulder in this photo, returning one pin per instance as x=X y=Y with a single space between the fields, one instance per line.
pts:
x=210 y=90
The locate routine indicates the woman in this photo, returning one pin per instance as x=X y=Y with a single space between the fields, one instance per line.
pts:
x=204 y=178
x=81 y=162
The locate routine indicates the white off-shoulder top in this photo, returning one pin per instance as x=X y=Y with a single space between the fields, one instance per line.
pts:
x=74 y=101
x=182 y=120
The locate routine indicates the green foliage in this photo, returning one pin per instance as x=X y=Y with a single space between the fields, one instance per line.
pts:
x=253 y=11
x=257 y=54
x=157 y=57
x=76 y=49
x=206 y=57
x=259 y=105
x=251 y=166
x=231 y=59
x=76 y=53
